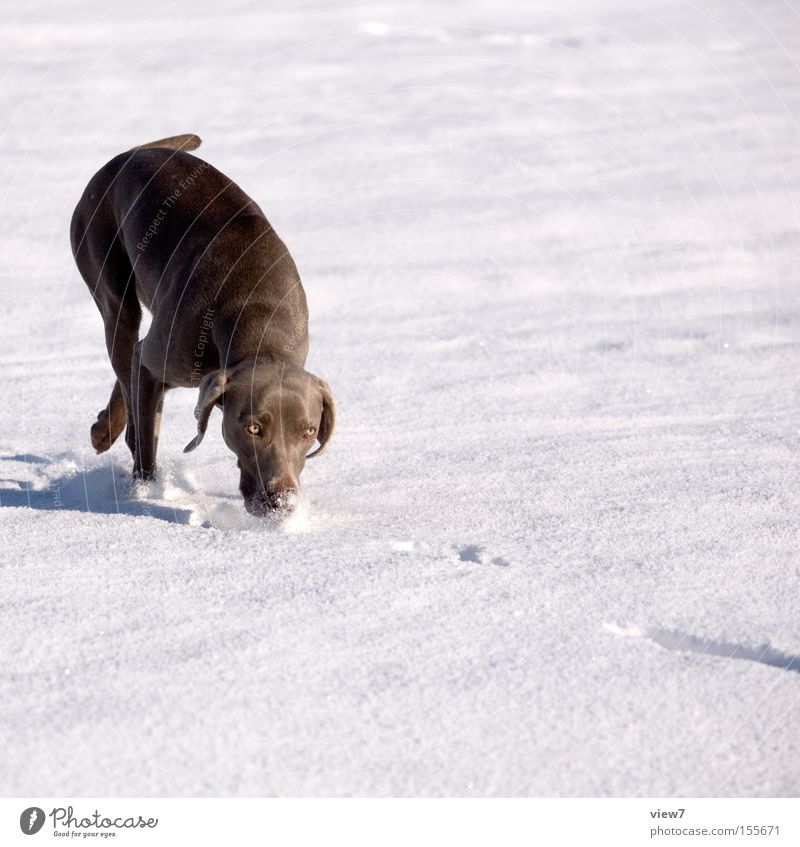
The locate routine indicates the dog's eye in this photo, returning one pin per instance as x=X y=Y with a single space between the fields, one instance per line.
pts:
x=253 y=429
x=310 y=432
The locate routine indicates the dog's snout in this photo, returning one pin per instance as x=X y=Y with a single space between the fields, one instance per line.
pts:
x=284 y=502
x=282 y=484
x=279 y=495
x=282 y=492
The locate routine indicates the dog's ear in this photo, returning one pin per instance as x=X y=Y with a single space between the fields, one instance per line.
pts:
x=328 y=420
x=212 y=387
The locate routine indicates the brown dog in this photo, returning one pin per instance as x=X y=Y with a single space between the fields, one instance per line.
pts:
x=160 y=227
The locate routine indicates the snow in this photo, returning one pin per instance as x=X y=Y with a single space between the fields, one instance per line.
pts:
x=551 y=258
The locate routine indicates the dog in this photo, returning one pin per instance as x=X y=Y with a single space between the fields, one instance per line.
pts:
x=160 y=228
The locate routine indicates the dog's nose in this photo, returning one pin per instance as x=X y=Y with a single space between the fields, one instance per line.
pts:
x=282 y=492
x=285 y=501
x=265 y=503
x=279 y=484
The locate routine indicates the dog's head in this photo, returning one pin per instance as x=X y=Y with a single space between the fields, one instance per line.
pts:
x=272 y=414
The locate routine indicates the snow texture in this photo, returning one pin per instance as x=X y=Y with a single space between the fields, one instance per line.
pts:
x=551 y=260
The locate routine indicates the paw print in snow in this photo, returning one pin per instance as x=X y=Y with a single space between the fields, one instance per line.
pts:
x=477 y=554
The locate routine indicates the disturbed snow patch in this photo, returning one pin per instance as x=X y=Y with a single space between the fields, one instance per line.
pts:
x=479 y=555
x=683 y=642
x=299 y=519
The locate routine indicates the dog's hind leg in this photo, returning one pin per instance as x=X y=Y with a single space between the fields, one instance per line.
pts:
x=109 y=274
x=113 y=287
x=110 y=421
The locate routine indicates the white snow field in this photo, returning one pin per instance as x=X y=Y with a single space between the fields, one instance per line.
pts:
x=550 y=253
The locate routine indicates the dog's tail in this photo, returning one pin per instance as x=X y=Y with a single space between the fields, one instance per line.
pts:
x=190 y=141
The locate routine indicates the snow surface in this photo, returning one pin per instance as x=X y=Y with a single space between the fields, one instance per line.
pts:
x=551 y=260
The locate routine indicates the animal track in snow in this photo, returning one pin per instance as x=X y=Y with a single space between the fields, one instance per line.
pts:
x=477 y=554
x=683 y=642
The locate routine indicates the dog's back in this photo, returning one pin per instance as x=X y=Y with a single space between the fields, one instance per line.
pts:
x=157 y=207
x=94 y=208
x=156 y=192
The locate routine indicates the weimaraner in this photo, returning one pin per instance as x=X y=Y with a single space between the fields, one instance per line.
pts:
x=160 y=227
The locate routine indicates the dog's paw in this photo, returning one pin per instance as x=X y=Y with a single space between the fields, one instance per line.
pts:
x=101 y=433
x=104 y=432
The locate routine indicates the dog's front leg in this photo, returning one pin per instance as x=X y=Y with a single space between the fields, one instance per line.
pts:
x=148 y=398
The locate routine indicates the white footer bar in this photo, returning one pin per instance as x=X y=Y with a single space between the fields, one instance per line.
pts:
x=151 y=822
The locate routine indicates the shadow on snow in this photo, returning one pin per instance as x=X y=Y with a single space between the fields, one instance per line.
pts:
x=100 y=490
